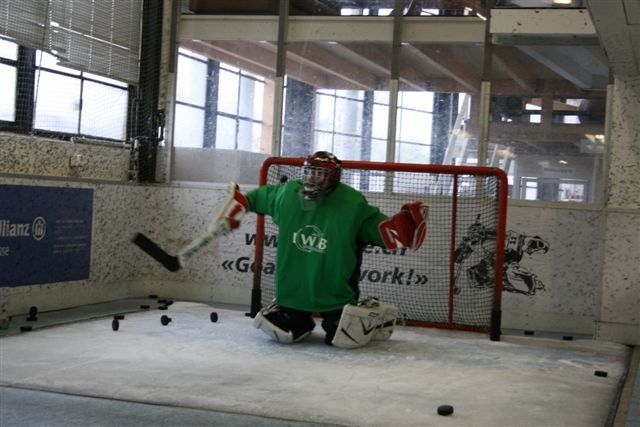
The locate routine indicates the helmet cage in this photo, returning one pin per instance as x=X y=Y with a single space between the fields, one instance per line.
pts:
x=321 y=174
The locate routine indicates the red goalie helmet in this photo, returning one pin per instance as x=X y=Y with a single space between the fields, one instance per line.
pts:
x=321 y=174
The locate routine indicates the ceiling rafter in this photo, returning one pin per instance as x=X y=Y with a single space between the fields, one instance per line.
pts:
x=311 y=54
x=379 y=58
x=259 y=58
x=514 y=68
x=441 y=57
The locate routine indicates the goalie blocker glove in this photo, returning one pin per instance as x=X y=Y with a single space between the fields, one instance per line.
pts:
x=226 y=220
x=232 y=211
x=407 y=228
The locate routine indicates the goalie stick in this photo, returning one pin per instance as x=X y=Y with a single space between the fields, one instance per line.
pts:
x=170 y=262
x=227 y=219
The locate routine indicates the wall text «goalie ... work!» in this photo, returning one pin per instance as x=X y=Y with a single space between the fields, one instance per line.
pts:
x=394 y=277
x=245 y=264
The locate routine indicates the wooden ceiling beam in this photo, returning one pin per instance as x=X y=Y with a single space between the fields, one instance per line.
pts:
x=313 y=55
x=441 y=57
x=260 y=61
x=521 y=74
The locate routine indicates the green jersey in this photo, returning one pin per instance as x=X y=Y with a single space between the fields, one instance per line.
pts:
x=319 y=243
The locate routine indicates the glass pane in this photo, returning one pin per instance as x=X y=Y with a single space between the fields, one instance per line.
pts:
x=347 y=147
x=422 y=101
x=226 y=133
x=8 y=49
x=433 y=107
x=549 y=134
x=191 y=81
x=346 y=79
x=57 y=103
x=348 y=8
x=380 y=120
x=8 y=90
x=325 y=112
x=414 y=126
x=99 y=120
x=378 y=150
x=189 y=127
x=249 y=136
x=251 y=98
x=323 y=141
x=413 y=153
x=541 y=4
x=228 y=92
x=46 y=60
x=105 y=80
x=348 y=117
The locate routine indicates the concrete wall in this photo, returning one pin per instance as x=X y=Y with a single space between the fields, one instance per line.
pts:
x=619 y=308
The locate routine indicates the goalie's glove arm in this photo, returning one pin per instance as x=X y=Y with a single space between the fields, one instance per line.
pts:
x=232 y=211
x=407 y=228
x=225 y=221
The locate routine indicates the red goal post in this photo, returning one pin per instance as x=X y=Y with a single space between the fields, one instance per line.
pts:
x=455 y=280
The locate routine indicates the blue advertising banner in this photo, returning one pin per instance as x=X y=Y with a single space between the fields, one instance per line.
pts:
x=45 y=234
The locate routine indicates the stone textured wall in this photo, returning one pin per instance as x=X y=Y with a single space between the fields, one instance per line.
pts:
x=619 y=314
x=30 y=155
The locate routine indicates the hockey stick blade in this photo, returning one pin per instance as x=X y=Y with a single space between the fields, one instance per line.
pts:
x=169 y=262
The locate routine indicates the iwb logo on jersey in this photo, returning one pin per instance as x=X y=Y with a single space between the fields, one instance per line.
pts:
x=310 y=239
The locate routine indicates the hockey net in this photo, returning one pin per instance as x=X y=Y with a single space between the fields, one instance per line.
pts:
x=454 y=280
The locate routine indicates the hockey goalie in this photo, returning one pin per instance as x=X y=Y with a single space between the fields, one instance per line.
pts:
x=324 y=225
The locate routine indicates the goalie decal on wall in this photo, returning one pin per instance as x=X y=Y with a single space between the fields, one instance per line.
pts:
x=475 y=256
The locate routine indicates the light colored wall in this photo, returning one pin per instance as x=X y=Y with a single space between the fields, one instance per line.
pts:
x=34 y=156
x=619 y=309
x=207 y=165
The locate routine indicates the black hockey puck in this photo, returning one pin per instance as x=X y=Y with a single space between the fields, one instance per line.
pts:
x=567 y=338
x=165 y=320
x=213 y=316
x=32 y=319
x=33 y=311
x=115 y=325
x=162 y=307
x=445 y=410
x=25 y=328
x=529 y=332
x=144 y=307
x=153 y=296
x=600 y=373
x=118 y=316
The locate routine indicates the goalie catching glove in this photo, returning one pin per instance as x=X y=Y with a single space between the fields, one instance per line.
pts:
x=407 y=228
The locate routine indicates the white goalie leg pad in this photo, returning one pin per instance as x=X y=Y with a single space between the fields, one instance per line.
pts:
x=389 y=316
x=357 y=325
x=262 y=323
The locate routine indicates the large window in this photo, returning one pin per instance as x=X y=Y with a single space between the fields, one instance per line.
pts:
x=190 y=100
x=8 y=78
x=58 y=101
x=239 y=112
x=217 y=105
x=339 y=121
x=422 y=93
